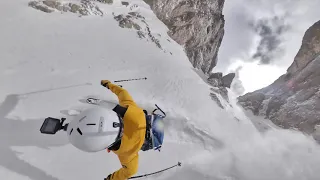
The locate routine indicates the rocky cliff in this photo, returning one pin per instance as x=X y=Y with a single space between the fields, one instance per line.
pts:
x=293 y=100
x=198 y=25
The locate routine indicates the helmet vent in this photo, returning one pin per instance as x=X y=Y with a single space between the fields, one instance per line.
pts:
x=101 y=124
x=79 y=131
x=116 y=125
x=71 y=131
x=82 y=118
x=91 y=124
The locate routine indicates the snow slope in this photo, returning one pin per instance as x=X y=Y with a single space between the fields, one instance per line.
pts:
x=49 y=62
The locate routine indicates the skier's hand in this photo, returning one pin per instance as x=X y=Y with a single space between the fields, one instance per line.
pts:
x=108 y=178
x=105 y=83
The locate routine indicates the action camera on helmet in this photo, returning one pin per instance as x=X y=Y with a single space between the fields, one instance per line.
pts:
x=53 y=125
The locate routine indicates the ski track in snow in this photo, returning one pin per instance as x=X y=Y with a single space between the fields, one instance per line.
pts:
x=49 y=62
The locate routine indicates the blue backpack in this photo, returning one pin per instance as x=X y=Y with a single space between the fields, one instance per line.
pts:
x=154 y=131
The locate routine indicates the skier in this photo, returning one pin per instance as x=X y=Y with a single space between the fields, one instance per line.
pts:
x=123 y=128
x=134 y=122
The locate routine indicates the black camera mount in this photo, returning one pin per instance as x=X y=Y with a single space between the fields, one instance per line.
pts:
x=53 y=125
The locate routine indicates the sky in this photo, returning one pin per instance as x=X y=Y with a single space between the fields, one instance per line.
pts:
x=262 y=38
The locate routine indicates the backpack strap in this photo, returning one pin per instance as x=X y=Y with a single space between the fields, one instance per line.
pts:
x=145 y=112
x=120 y=110
x=148 y=142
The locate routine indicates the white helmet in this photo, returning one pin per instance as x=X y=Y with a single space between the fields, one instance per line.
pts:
x=95 y=129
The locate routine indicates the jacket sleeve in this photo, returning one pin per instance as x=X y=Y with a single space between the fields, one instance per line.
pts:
x=123 y=96
x=127 y=170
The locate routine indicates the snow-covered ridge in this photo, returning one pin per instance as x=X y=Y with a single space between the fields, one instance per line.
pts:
x=83 y=7
x=128 y=16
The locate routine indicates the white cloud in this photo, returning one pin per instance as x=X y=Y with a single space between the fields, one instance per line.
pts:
x=254 y=76
x=241 y=41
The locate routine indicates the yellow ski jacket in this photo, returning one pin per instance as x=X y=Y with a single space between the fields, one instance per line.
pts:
x=133 y=137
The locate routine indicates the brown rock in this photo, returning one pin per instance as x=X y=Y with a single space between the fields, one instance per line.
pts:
x=74 y=7
x=52 y=3
x=106 y=1
x=124 y=3
x=216 y=99
x=198 y=25
x=293 y=100
x=309 y=49
x=40 y=7
x=227 y=79
x=217 y=75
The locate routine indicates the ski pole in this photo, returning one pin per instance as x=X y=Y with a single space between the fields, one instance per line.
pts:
x=134 y=177
x=54 y=89
x=131 y=79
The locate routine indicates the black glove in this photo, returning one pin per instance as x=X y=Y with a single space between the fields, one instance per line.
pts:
x=108 y=178
x=105 y=83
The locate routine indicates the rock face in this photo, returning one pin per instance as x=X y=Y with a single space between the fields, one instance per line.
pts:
x=106 y=1
x=126 y=22
x=217 y=80
x=220 y=84
x=198 y=25
x=309 y=49
x=227 y=79
x=132 y=21
x=293 y=100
